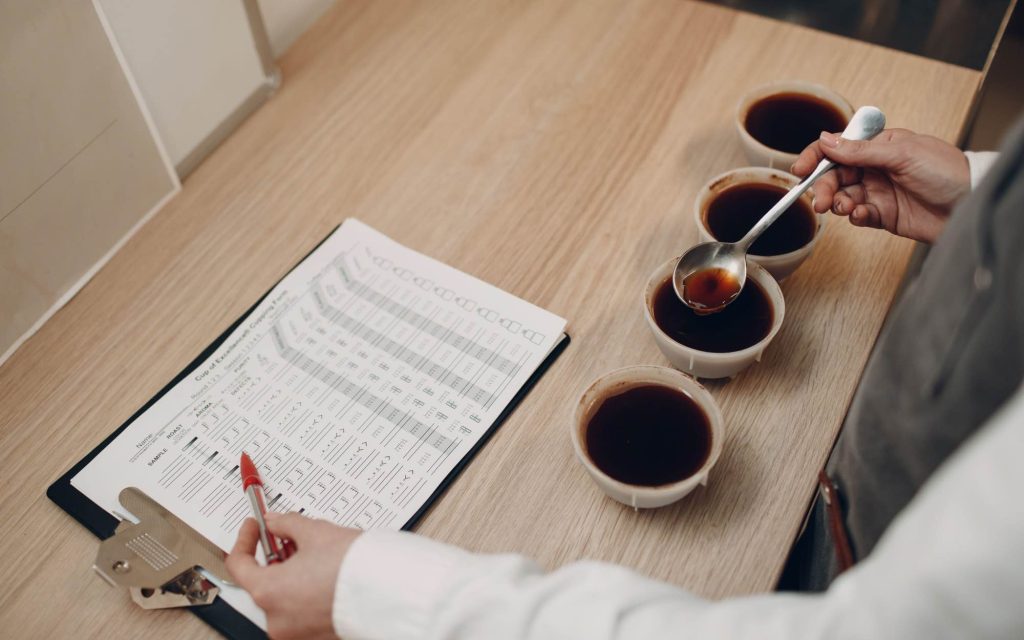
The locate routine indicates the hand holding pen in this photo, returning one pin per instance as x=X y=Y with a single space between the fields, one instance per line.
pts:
x=297 y=596
x=274 y=549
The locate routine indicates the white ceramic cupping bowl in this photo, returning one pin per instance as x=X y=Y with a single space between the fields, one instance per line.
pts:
x=780 y=266
x=619 y=380
x=765 y=156
x=707 y=364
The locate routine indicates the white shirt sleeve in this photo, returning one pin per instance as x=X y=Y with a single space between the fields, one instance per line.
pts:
x=979 y=163
x=950 y=566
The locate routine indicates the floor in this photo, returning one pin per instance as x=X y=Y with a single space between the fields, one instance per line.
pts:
x=1002 y=96
x=956 y=31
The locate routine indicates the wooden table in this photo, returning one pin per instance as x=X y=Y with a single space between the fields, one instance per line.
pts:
x=551 y=148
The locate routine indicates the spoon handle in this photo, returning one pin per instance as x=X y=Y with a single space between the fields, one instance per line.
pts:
x=865 y=124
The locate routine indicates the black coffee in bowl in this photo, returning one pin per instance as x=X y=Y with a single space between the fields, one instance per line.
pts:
x=733 y=211
x=791 y=121
x=742 y=323
x=649 y=435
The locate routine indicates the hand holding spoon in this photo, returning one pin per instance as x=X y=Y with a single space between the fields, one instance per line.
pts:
x=710 y=275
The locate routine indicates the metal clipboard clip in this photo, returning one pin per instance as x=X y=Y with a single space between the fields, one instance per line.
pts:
x=159 y=559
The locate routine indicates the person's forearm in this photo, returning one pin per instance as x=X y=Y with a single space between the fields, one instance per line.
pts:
x=948 y=568
x=398 y=585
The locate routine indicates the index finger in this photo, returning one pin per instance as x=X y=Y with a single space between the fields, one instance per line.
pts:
x=241 y=562
x=807 y=160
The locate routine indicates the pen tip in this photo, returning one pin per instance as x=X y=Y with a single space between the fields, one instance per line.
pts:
x=248 y=471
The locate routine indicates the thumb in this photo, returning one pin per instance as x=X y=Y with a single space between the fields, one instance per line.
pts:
x=293 y=526
x=879 y=154
x=240 y=562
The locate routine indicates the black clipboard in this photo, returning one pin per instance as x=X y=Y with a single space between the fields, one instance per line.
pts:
x=219 y=615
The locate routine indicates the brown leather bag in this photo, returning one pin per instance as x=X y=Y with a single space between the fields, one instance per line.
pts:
x=830 y=494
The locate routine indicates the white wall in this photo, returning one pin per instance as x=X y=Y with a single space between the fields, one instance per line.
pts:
x=195 y=62
x=286 y=20
x=80 y=166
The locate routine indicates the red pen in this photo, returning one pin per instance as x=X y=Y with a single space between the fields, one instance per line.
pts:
x=275 y=550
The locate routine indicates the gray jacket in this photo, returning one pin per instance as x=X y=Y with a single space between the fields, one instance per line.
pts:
x=950 y=354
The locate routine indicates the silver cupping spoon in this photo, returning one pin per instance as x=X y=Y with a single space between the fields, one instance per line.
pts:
x=710 y=275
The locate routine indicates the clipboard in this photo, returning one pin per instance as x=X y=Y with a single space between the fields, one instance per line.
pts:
x=220 y=615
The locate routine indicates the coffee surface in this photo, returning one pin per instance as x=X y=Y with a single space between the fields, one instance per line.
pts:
x=731 y=213
x=791 y=121
x=649 y=435
x=742 y=323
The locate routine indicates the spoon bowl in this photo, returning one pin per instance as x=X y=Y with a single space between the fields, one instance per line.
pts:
x=727 y=264
x=710 y=275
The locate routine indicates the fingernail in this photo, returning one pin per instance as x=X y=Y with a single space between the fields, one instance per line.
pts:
x=829 y=139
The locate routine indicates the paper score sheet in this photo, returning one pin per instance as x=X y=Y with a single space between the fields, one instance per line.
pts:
x=356 y=385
